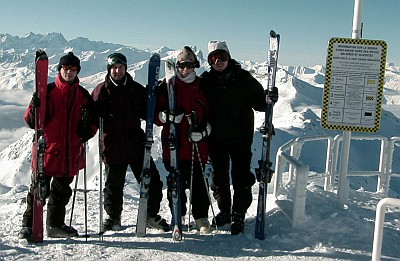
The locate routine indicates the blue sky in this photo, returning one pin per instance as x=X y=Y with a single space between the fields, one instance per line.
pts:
x=305 y=26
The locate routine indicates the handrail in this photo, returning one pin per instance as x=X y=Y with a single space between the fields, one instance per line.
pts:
x=298 y=170
x=381 y=173
x=379 y=220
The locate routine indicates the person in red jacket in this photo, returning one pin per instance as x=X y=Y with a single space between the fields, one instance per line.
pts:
x=121 y=102
x=191 y=104
x=65 y=134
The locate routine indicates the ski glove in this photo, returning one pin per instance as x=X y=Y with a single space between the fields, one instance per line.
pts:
x=196 y=136
x=84 y=129
x=35 y=102
x=167 y=116
x=264 y=129
x=273 y=95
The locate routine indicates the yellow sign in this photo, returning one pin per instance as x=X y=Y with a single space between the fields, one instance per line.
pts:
x=354 y=79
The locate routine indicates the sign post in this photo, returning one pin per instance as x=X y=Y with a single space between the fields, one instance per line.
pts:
x=353 y=90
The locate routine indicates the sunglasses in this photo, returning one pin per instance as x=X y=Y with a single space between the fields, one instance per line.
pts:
x=69 y=67
x=182 y=65
x=220 y=56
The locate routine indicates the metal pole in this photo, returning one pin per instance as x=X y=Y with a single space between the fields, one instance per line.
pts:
x=85 y=191
x=343 y=186
x=379 y=220
x=358 y=8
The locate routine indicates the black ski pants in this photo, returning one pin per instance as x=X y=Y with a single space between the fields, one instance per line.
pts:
x=200 y=200
x=114 y=186
x=236 y=155
x=58 y=197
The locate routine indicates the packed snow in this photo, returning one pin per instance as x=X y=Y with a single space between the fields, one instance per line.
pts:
x=325 y=233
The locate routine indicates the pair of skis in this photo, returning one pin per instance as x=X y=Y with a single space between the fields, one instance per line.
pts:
x=174 y=176
x=264 y=171
x=153 y=75
x=38 y=176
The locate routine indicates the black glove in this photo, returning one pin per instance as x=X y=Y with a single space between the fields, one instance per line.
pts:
x=84 y=130
x=85 y=134
x=273 y=95
x=35 y=102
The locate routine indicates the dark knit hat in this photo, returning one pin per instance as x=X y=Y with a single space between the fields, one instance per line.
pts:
x=69 y=59
x=215 y=46
x=187 y=54
x=115 y=58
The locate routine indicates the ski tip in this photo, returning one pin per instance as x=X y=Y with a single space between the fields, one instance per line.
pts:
x=272 y=34
x=155 y=56
x=41 y=55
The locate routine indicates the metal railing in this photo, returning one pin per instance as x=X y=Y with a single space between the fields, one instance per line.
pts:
x=287 y=160
x=298 y=171
x=379 y=220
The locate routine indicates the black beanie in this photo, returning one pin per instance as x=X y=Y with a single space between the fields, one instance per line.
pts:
x=115 y=58
x=69 y=59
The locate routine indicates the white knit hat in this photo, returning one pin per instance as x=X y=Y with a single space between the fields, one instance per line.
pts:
x=187 y=54
x=214 y=46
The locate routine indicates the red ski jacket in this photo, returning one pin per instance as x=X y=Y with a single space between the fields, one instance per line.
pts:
x=64 y=155
x=189 y=98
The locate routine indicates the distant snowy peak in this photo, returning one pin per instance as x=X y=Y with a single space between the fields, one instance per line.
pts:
x=164 y=49
x=31 y=40
x=54 y=39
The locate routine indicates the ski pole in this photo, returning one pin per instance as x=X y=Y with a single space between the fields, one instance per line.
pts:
x=85 y=191
x=73 y=200
x=191 y=186
x=206 y=184
x=75 y=189
x=192 y=118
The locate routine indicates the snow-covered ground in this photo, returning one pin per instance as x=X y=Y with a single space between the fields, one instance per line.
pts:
x=326 y=232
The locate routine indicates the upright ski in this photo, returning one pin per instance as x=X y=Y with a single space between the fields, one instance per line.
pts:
x=39 y=181
x=101 y=131
x=264 y=171
x=173 y=177
x=153 y=74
